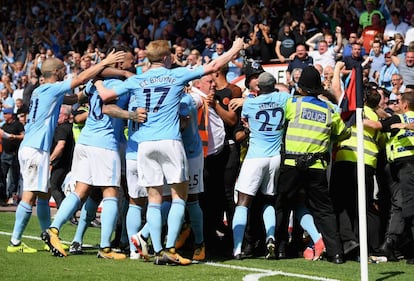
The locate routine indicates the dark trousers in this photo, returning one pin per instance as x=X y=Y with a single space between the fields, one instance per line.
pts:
x=403 y=174
x=308 y=186
x=10 y=163
x=344 y=192
x=220 y=173
x=231 y=172
x=212 y=200
x=57 y=177
x=255 y=231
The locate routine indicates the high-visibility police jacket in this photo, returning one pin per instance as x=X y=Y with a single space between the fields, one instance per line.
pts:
x=373 y=141
x=313 y=124
x=401 y=144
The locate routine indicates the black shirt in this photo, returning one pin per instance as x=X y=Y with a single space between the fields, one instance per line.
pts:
x=64 y=132
x=14 y=128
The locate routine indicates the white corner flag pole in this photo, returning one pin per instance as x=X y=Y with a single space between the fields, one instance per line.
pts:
x=362 y=213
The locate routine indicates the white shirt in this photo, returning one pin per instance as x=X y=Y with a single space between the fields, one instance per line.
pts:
x=327 y=58
x=391 y=29
x=409 y=36
x=216 y=133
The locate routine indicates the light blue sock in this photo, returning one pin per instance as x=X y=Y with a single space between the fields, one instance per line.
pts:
x=69 y=205
x=269 y=219
x=23 y=214
x=108 y=220
x=155 y=225
x=43 y=213
x=175 y=221
x=165 y=210
x=145 y=233
x=196 y=220
x=133 y=223
x=239 y=226
x=87 y=214
x=307 y=223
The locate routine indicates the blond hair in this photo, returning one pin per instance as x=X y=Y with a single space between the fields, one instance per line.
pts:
x=157 y=50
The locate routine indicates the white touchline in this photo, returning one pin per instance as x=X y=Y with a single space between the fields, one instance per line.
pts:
x=268 y=272
x=249 y=277
x=38 y=238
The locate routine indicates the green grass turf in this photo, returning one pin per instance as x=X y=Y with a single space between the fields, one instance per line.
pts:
x=43 y=266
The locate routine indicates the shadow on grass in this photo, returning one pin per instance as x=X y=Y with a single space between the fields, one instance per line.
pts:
x=389 y=274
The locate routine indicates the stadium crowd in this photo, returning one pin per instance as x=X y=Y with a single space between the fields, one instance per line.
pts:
x=320 y=41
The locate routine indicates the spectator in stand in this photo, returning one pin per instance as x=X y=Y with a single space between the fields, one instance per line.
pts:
x=300 y=60
x=219 y=51
x=377 y=61
x=299 y=31
x=194 y=38
x=398 y=85
x=325 y=56
x=349 y=22
x=6 y=99
x=265 y=41
x=210 y=48
x=20 y=107
x=409 y=35
x=347 y=50
x=180 y=22
x=407 y=12
x=142 y=61
x=365 y=18
x=224 y=37
x=203 y=18
x=395 y=26
x=193 y=60
x=369 y=32
x=354 y=59
x=285 y=44
x=179 y=58
x=405 y=65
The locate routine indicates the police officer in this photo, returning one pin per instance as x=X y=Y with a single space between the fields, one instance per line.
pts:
x=400 y=154
x=312 y=125
x=344 y=187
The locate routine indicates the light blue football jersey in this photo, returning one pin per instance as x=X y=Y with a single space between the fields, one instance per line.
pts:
x=43 y=115
x=191 y=138
x=118 y=123
x=159 y=91
x=99 y=129
x=266 y=117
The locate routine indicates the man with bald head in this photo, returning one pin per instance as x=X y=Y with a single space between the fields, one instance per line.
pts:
x=34 y=152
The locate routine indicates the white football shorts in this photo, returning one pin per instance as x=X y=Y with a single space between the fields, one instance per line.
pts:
x=34 y=167
x=96 y=166
x=159 y=160
x=134 y=190
x=258 y=173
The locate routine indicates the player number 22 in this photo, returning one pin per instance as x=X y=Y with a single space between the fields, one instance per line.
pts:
x=275 y=112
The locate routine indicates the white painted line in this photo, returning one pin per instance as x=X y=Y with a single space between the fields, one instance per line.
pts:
x=38 y=238
x=250 y=277
x=267 y=272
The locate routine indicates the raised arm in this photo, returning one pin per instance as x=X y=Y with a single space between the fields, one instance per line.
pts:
x=336 y=81
x=311 y=42
x=338 y=33
x=218 y=62
x=91 y=72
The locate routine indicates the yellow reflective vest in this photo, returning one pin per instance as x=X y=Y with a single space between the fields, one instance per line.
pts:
x=374 y=140
x=402 y=144
x=313 y=124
